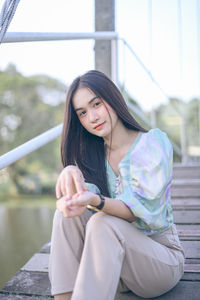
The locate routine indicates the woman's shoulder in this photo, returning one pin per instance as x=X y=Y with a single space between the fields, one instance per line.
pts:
x=153 y=143
x=156 y=135
x=154 y=148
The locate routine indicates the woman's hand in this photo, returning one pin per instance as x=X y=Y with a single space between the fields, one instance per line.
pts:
x=67 y=211
x=75 y=206
x=70 y=182
x=83 y=199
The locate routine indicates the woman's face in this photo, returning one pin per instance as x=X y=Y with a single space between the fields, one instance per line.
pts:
x=96 y=115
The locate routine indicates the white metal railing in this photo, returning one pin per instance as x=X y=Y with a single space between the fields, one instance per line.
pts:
x=30 y=146
x=16 y=37
x=21 y=37
x=44 y=138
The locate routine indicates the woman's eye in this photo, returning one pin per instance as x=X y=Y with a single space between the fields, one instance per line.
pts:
x=82 y=113
x=97 y=103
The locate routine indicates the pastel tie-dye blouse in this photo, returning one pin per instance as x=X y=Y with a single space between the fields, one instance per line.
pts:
x=144 y=181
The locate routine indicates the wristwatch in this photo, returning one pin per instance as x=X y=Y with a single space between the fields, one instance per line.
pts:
x=100 y=206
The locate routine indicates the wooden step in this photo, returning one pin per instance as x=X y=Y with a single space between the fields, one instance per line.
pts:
x=192 y=249
x=29 y=282
x=188 y=226
x=186 y=182
x=186 y=216
x=36 y=285
x=184 y=290
x=185 y=204
x=180 y=192
x=191 y=235
x=186 y=171
x=192 y=268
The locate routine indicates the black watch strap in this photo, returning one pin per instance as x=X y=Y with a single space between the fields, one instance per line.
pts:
x=101 y=205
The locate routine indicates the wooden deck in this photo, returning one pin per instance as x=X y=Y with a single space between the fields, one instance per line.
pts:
x=32 y=282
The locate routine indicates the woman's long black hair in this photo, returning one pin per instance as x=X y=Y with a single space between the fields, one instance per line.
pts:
x=80 y=147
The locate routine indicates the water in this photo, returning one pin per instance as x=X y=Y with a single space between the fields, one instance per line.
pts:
x=23 y=231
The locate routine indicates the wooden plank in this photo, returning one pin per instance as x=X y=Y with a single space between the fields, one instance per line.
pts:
x=185 y=193
x=192 y=261
x=186 y=217
x=188 y=226
x=186 y=174
x=192 y=171
x=28 y=283
x=21 y=297
x=184 y=290
x=192 y=268
x=191 y=277
x=187 y=203
x=38 y=262
x=191 y=248
x=187 y=165
x=186 y=182
x=192 y=235
x=185 y=200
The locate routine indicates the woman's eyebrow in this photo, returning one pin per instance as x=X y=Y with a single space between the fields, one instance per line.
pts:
x=88 y=103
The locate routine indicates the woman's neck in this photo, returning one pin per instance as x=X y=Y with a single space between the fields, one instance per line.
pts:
x=121 y=136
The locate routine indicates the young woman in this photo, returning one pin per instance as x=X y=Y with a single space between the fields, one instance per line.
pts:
x=112 y=165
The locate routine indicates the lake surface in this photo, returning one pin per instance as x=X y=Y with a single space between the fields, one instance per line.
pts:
x=23 y=231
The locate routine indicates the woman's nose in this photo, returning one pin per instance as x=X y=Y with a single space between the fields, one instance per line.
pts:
x=93 y=116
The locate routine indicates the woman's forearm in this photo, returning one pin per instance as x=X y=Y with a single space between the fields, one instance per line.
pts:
x=116 y=208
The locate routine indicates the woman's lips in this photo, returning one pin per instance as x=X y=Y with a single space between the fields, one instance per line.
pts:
x=98 y=127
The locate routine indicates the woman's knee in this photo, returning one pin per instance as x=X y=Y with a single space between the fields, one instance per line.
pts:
x=59 y=219
x=62 y=224
x=99 y=222
x=65 y=225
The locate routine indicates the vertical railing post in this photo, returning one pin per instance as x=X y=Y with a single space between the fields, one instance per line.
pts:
x=104 y=21
x=114 y=61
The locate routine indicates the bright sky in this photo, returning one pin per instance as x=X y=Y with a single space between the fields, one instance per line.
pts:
x=66 y=60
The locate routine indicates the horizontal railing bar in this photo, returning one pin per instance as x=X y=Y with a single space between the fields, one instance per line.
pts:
x=17 y=37
x=30 y=146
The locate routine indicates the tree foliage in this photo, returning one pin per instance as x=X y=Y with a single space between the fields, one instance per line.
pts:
x=30 y=106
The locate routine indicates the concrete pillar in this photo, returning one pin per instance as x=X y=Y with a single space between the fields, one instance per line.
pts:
x=104 y=21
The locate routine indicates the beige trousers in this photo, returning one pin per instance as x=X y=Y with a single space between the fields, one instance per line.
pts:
x=94 y=255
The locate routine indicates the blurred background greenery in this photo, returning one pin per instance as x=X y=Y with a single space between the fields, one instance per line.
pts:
x=31 y=105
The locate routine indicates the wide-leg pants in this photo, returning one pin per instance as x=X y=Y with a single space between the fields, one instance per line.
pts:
x=95 y=254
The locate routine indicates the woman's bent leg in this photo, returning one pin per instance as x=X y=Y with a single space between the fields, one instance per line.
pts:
x=67 y=242
x=114 y=248
x=101 y=261
x=151 y=267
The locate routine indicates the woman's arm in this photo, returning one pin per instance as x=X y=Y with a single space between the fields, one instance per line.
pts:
x=74 y=206
x=116 y=208
x=71 y=186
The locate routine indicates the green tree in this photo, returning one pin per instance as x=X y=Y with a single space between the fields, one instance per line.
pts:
x=169 y=117
x=29 y=106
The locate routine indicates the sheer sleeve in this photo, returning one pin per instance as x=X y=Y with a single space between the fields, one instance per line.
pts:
x=147 y=193
x=92 y=188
